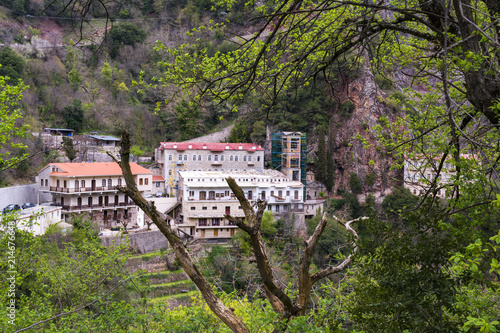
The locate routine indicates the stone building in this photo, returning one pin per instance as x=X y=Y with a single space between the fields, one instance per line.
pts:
x=91 y=189
x=173 y=157
x=206 y=198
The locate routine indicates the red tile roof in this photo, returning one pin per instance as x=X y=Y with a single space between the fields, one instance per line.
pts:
x=212 y=146
x=157 y=178
x=95 y=169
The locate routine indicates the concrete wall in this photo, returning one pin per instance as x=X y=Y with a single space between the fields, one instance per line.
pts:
x=141 y=242
x=21 y=194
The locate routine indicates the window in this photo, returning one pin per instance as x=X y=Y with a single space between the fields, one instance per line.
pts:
x=244 y=158
x=41 y=182
x=277 y=208
x=209 y=157
x=203 y=195
x=169 y=157
x=76 y=185
x=236 y=158
x=140 y=181
x=83 y=183
x=65 y=184
x=215 y=222
x=280 y=193
x=191 y=193
x=110 y=183
x=204 y=208
x=250 y=195
x=199 y=157
x=194 y=157
x=58 y=183
x=211 y=195
x=272 y=193
x=294 y=144
x=287 y=193
x=231 y=158
x=214 y=207
x=216 y=157
x=296 y=195
x=185 y=157
x=146 y=181
x=249 y=158
x=263 y=195
x=120 y=182
x=192 y=208
x=202 y=223
x=104 y=183
x=222 y=158
x=258 y=158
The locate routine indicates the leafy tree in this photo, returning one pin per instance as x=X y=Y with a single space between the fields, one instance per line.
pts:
x=330 y=166
x=258 y=134
x=9 y=117
x=69 y=148
x=12 y=65
x=399 y=200
x=355 y=183
x=125 y=34
x=188 y=120
x=239 y=132
x=74 y=77
x=74 y=115
x=321 y=158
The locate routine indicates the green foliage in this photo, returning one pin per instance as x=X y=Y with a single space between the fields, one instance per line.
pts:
x=383 y=82
x=12 y=65
x=355 y=183
x=401 y=199
x=136 y=151
x=74 y=115
x=258 y=134
x=188 y=120
x=370 y=179
x=346 y=109
x=74 y=78
x=333 y=238
x=125 y=34
x=321 y=158
x=238 y=133
x=10 y=130
x=69 y=148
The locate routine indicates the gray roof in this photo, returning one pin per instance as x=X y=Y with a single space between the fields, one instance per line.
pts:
x=104 y=137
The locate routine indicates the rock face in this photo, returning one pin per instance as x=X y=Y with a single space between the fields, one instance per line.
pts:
x=348 y=153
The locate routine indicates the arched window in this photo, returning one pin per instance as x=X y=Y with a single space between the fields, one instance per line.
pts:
x=46 y=182
x=146 y=181
x=194 y=157
x=203 y=195
x=83 y=184
x=76 y=185
x=296 y=195
x=140 y=181
x=119 y=182
x=244 y=158
x=58 y=183
x=104 y=183
x=231 y=158
x=65 y=184
x=41 y=182
x=236 y=158
x=116 y=200
x=209 y=157
x=90 y=201
x=199 y=157
x=110 y=182
x=185 y=157
x=169 y=157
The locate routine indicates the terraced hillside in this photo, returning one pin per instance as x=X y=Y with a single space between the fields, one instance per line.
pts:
x=167 y=283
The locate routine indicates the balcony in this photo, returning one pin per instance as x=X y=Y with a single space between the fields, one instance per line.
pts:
x=83 y=189
x=70 y=208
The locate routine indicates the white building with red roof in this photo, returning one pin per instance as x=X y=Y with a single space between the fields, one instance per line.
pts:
x=91 y=189
x=173 y=157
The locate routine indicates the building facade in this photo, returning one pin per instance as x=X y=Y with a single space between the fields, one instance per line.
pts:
x=91 y=189
x=419 y=173
x=174 y=157
x=206 y=198
x=289 y=155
